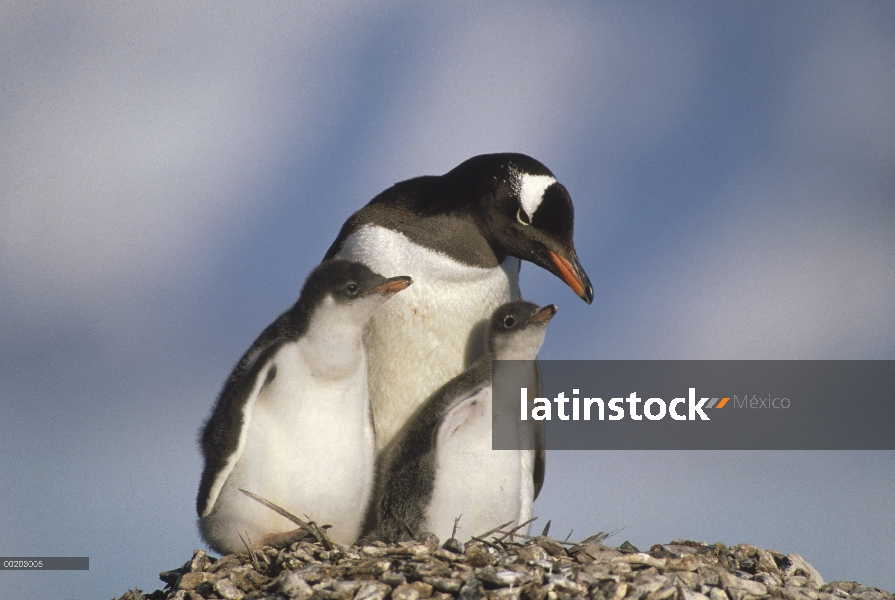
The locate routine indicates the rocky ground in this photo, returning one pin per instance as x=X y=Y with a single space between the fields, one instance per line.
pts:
x=498 y=566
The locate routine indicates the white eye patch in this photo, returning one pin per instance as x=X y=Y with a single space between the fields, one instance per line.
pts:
x=531 y=192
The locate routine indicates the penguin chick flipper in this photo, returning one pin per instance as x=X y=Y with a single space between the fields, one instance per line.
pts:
x=468 y=410
x=224 y=435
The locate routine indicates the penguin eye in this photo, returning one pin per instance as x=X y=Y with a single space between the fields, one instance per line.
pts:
x=509 y=321
x=351 y=288
x=522 y=217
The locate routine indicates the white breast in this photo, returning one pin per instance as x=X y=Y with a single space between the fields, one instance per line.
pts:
x=309 y=448
x=430 y=332
x=484 y=487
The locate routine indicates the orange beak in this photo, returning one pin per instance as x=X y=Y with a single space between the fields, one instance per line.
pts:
x=391 y=286
x=570 y=274
x=545 y=314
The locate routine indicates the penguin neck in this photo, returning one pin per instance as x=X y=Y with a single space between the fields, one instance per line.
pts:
x=334 y=341
x=522 y=345
x=516 y=354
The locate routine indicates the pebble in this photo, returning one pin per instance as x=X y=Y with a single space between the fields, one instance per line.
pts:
x=444 y=584
x=540 y=569
x=799 y=566
x=292 y=585
x=373 y=590
x=552 y=547
x=227 y=590
x=405 y=592
x=478 y=555
x=500 y=578
x=627 y=548
x=533 y=552
x=189 y=581
x=742 y=589
x=393 y=579
x=471 y=589
x=688 y=594
x=639 y=558
x=689 y=578
x=620 y=591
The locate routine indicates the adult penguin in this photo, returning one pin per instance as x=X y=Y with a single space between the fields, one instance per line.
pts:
x=461 y=237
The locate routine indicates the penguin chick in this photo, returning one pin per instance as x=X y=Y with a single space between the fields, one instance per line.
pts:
x=293 y=423
x=441 y=465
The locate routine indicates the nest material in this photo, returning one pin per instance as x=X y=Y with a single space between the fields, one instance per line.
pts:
x=504 y=566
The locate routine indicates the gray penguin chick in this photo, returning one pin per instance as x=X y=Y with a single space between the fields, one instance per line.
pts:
x=441 y=465
x=293 y=423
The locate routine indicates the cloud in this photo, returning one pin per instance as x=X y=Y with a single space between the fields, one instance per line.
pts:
x=134 y=136
x=806 y=277
x=536 y=80
x=800 y=262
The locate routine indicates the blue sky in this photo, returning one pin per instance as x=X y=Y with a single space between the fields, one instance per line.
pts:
x=169 y=174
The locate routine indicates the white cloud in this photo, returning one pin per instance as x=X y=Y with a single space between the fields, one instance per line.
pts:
x=844 y=91
x=530 y=80
x=810 y=275
x=804 y=262
x=131 y=136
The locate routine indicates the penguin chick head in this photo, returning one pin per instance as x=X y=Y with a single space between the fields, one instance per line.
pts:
x=525 y=212
x=517 y=330
x=349 y=290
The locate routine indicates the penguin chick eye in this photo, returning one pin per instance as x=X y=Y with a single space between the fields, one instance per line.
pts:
x=509 y=321
x=522 y=217
x=351 y=289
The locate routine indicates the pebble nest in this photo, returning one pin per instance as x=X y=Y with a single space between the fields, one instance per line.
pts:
x=539 y=568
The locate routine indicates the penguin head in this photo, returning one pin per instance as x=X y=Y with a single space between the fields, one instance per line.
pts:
x=349 y=289
x=524 y=212
x=517 y=330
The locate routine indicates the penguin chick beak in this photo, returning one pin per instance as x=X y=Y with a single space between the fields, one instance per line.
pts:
x=392 y=285
x=543 y=316
x=574 y=276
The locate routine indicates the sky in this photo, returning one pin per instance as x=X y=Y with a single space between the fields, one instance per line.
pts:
x=170 y=173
